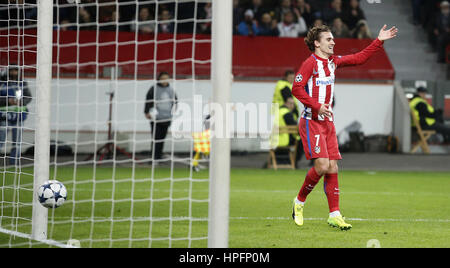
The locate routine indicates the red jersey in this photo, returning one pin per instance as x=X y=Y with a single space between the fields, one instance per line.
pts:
x=314 y=82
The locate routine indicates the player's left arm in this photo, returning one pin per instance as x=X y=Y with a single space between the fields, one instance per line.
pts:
x=364 y=55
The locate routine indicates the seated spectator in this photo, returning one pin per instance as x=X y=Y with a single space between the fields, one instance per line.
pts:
x=317 y=22
x=258 y=9
x=109 y=22
x=442 y=30
x=305 y=11
x=268 y=27
x=318 y=6
x=334 y=10
x=339 y=29
x=109 y=17
x=283 y=90
x=65 y=25
x=353 y=14
x=144 y=23
x=205 y=13
x=289 y=28
x=428 y=117
x=284 y=7
x=362 y=30
x=105 y=12
x=164 y=24
x=248 y=26
x=86 y=20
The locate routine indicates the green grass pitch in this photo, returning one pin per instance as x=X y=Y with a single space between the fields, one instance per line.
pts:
x=399 y=209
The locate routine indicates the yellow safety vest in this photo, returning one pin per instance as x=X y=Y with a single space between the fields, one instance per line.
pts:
x=277 y=96
x=412 y=106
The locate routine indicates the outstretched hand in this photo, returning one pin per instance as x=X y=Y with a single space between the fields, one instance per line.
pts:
x=387 y=34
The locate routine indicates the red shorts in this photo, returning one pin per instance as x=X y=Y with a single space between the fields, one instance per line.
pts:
x=319 y=139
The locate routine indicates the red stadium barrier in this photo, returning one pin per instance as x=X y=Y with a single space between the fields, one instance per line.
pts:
x=271 y=56
x=88 y=53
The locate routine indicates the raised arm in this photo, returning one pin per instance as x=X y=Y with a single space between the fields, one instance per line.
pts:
x=364 y=55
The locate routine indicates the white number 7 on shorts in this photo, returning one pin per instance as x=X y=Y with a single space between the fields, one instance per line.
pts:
x=317 y=139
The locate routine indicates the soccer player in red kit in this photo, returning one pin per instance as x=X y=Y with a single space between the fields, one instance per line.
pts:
x=314 y=87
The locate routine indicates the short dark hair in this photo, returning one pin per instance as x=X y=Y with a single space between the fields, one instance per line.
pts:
x=288 y=72
x=161 y=74
x=421 y=89
x=314 y=35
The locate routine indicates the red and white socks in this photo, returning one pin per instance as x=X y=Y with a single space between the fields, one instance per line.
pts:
x=331 y=189
x=312 y=178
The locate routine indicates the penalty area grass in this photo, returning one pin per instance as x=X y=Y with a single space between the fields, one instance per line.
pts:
x=124 y=207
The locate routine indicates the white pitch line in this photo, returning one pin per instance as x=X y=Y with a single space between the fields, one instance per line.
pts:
x=245 y=218
x=350 y=219
x=272 y=191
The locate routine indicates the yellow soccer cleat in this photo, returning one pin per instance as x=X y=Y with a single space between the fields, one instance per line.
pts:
x=297 y=213
x=339 y=222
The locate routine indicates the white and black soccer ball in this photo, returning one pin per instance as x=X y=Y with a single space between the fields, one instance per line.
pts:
x=52 y=194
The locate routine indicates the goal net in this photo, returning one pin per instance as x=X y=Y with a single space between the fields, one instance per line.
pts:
x=129 y=90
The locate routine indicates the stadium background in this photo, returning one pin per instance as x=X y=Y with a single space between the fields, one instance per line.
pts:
x=258 y=62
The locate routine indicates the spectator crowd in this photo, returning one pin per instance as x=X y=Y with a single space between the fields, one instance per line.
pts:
x=283 y=18
x=293 y=18
x=279 y=18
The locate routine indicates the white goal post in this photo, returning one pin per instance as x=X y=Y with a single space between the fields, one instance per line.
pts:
x=220 y=157
x=43 y=105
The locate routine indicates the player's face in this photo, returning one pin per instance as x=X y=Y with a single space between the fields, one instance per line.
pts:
x=326 y=43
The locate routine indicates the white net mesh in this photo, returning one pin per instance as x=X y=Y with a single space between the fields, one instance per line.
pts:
x=124 y=188
x=17 y=35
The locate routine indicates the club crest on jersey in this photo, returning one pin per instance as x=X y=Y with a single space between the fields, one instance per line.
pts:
x=298 y=78
x=317 y=149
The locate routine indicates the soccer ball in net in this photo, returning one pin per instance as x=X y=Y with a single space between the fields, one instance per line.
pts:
x=52 y=194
